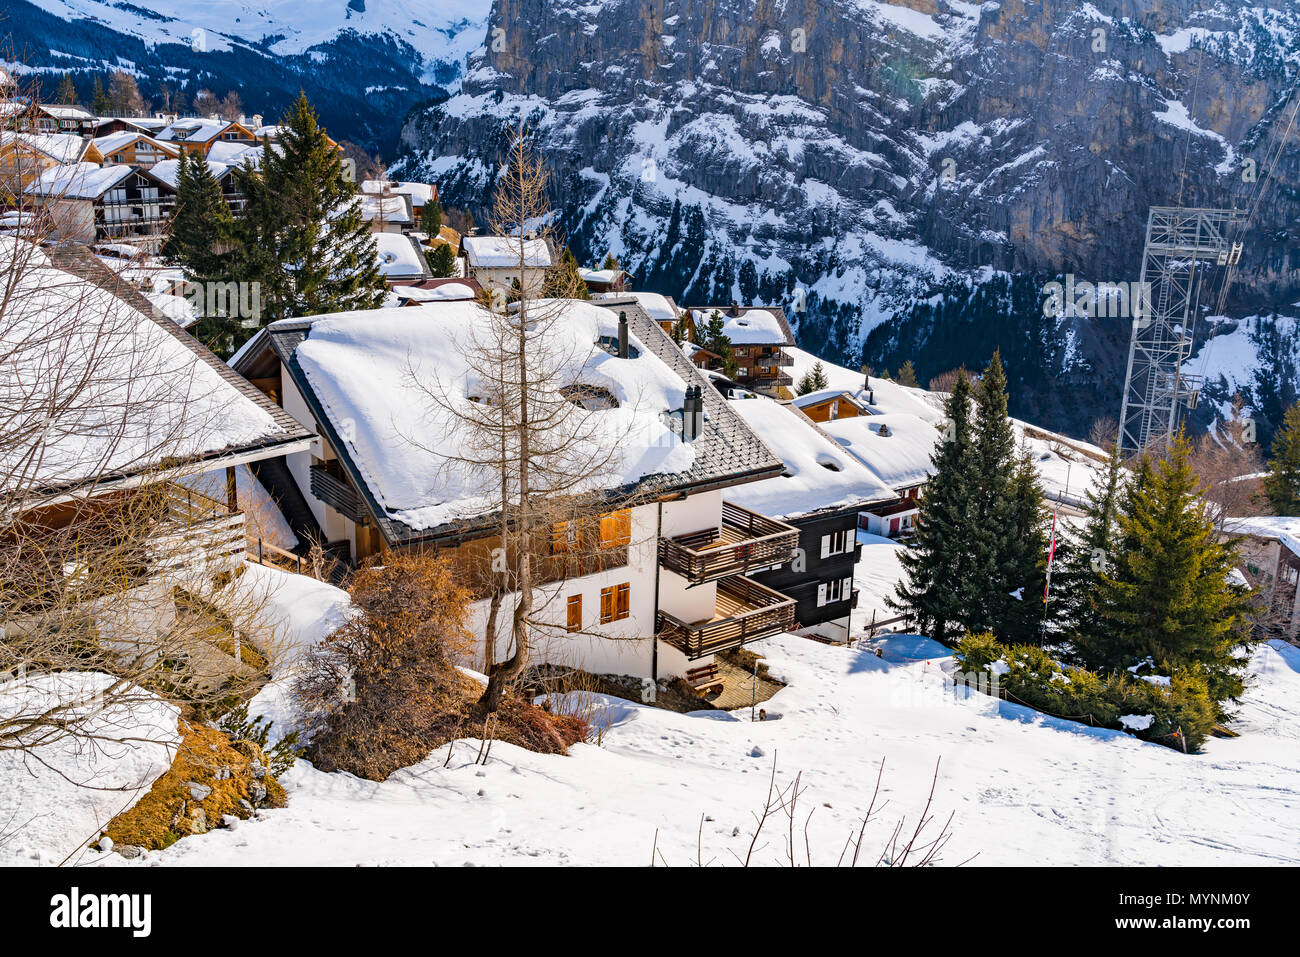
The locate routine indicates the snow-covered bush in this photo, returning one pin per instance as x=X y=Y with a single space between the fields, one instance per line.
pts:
x=1181 y=712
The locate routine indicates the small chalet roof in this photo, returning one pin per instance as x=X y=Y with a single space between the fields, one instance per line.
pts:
x=196 y=129
x=113 y=142
x=78 y=180
x=234 y=152
x=394 y=208
x=185 y=405
x=659 y=308
x=169 y=171
x=899 y=456
x=748 y=325
x=64 y=112
x=65 y=148
x=353 y=367
x=852 y=396
x=419 y=193
x=437 y=290
x=400 y=257
x=503 y=252
x=819 y=475
x=1281 y=528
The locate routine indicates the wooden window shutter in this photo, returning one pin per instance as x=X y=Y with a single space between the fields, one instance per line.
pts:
x=826 y=547
x=616 y=529
x=606 y=605
x=575 y=612
x=624 y=595
x=821 y=594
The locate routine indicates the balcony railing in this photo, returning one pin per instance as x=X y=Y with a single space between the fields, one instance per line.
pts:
x=329 y=485
x=746 y=541
x=766 y=380
x=745 y=611
x=198 y=533
x=773 y=358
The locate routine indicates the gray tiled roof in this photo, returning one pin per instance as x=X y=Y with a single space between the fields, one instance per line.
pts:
x=727 y=452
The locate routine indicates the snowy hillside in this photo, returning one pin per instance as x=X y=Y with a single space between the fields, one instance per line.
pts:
x=1022 y=787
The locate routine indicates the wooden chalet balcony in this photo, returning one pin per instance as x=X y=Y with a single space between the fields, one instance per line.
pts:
x=198 y=533
x=329 y=485
x=745 y=611
x=745 y=542
x=767 y=380
x=773 y=357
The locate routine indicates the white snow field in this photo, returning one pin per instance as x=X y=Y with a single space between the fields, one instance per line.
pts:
x=1023 y=788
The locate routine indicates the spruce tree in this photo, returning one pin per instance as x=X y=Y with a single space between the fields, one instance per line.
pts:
x=442 y=261
x=813 y=380
x=1167 y=595
x=907 y=375
x=565 y=279
x=66 y=94
x=301 y=233
x=1282 y=486
x=1073 y=602
x=992 y=528
x=1025 y=557
x=200 y=231
x=938 y=589
x=99 y=99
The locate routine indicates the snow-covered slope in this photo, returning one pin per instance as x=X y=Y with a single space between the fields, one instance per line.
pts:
x=1023 y=787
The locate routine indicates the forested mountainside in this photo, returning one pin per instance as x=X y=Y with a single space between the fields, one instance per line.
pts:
x=902 y=176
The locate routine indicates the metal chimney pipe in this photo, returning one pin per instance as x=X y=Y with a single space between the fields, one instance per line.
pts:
x=697 y=411
x=688 y=414
x=622 y=335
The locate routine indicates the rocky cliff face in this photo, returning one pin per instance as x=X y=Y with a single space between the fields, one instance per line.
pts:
x=850 y=157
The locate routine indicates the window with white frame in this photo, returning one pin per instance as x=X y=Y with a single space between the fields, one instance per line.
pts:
x=832 y=591
x=836 y=543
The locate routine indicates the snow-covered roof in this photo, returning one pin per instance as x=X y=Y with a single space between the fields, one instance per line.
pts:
x=606 y=276
x=60 y=147
x=822 y=395
x=193 y=129
x=234 y=152
x=399 y=256
x=819 y=475
x=901 y=458
x=420 y=193
x=141 y=390
x=753 y=325
x=395 y=208
x=78 y=180
x=64 y=112
x=362 y=368
x=113 y=142
x=657 y=307
x=169 y=171
x=443 y=292
x=503 y=252
x=1283 y=528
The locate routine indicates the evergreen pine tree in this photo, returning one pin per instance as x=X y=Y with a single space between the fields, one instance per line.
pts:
x=301 y=233
x=992 y=530
x=1167 y=595
x=907 y=375
x=99 y=99
x=1073 y=601
x=1282 y=486
x=442 y=261
x=567 y=281
x=66 y=94
x=199 y=237
x=431 y=218
x=1026 y=555
x=938 y=588
x=813 y=380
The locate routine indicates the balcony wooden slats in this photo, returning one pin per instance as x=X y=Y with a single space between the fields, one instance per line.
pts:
x=334 y=491
x=746 y=541
x=746 y=611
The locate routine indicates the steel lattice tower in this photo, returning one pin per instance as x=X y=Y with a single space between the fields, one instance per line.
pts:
x=1178 y=241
